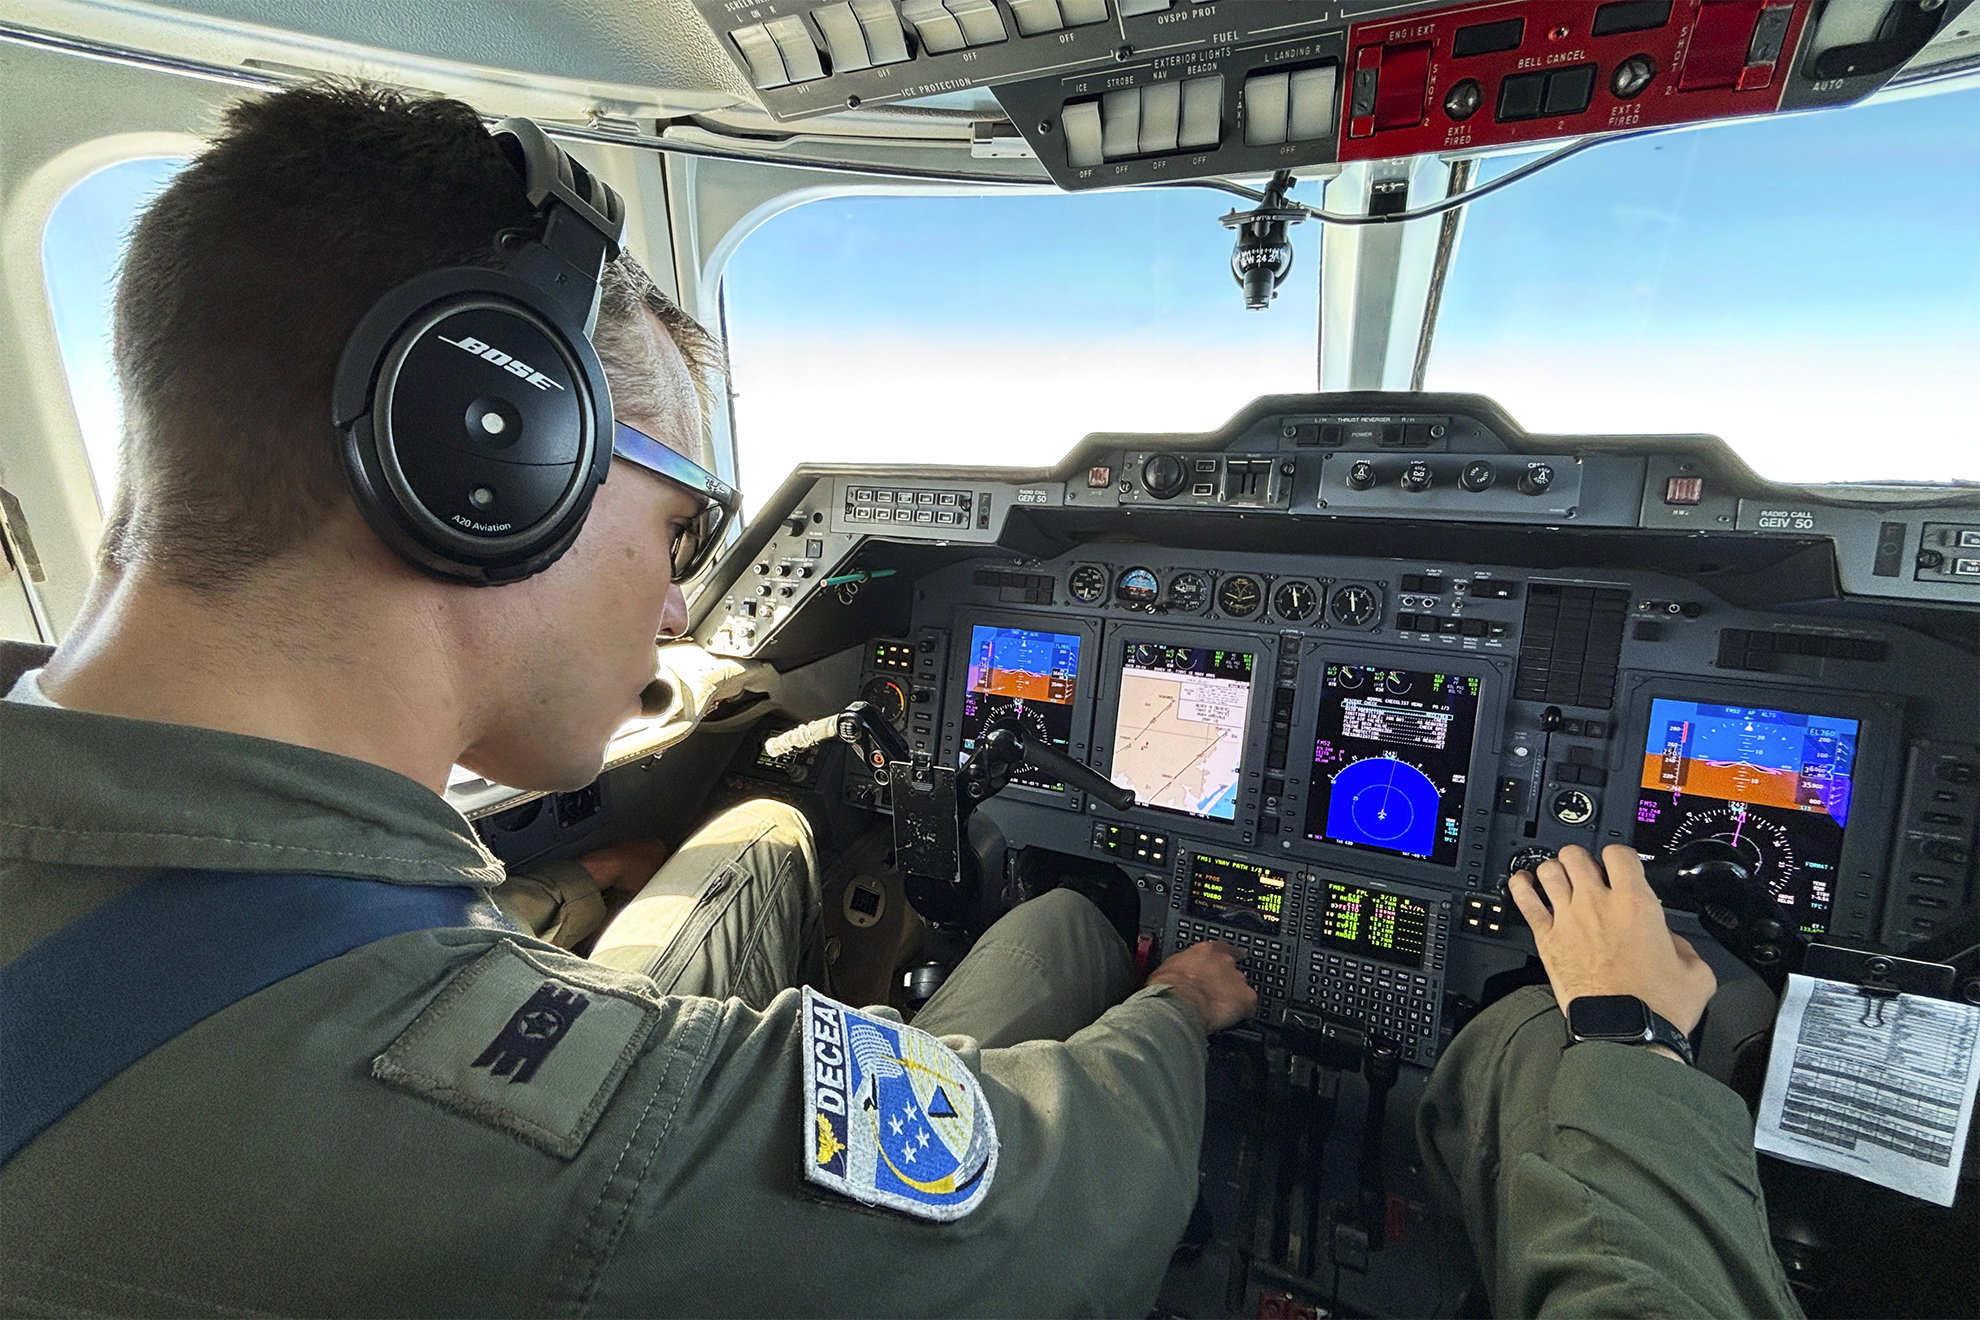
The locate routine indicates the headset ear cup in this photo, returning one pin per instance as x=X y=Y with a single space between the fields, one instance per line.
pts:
x=476 y=427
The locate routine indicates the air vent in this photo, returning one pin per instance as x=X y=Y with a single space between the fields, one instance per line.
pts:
x=1756 y=651
x=1571 y=644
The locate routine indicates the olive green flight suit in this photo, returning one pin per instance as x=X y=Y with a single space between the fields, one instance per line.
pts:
x=1601 y=1180
x=294 y=1153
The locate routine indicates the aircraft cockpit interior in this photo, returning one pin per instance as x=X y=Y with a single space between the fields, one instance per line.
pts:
x=1433 y=498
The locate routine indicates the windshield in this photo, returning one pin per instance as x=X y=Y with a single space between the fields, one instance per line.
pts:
x=1806 y=287
x=998 y=329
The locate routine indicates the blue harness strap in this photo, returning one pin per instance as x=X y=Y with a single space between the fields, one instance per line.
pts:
x=96 y=996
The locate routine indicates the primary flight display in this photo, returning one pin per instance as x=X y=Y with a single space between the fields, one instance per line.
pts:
x=1773 y=785
x=1179 y=728
x=1391 y=756
x=1025 y=680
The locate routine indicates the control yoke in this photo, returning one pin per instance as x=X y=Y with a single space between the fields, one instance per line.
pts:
x=932 y=803
x=1711 y=879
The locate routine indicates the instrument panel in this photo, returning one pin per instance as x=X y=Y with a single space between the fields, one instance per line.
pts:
x=1113 y=92
x=1348 y=714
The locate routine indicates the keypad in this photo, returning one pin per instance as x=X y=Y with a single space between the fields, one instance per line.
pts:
x=1267 y=962
x=1398 y=1002
x=926 y=508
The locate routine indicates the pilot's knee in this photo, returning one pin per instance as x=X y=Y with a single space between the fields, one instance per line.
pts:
x=1063 y=927
x=772 y=842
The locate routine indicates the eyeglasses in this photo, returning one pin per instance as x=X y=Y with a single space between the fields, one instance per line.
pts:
x=695 y=543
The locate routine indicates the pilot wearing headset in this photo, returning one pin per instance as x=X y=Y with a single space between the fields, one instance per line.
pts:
x=410 y=473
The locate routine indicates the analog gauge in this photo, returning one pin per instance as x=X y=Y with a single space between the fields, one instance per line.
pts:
x=887 y=697
x=1351 y=678
x=1088 y=583
x=1353 y=605
x=1239 y=596
x=1762 y=844
x=1573 y=807
x=1137 y=587
x=1393 y=682
x=1294 y=601
x=1188 y=593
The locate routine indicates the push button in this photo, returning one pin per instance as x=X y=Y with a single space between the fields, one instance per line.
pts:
x=1568 y=90
x=1520 y=97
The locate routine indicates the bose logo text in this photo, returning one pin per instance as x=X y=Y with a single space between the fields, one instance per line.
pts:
x=514 y=366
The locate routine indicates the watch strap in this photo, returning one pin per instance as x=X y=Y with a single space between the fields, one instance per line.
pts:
x=1665 y=1032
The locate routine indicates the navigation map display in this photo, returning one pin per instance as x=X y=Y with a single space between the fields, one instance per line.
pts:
x=1375 y=924
x=1026 y=681
x=1237 y=893
x=1773 y=785
x=1391 y=754
x=1179 y=731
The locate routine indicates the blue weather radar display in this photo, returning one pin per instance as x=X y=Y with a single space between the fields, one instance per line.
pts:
x=1391 y=756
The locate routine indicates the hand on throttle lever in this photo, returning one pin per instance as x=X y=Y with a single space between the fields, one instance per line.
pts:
x=1206 y=976
x=1605 y=935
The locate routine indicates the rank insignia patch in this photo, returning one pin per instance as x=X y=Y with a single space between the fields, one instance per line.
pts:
x=891 y=1115
x=531 y=1041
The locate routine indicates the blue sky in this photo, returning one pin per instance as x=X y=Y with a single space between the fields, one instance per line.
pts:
x=1807 y=287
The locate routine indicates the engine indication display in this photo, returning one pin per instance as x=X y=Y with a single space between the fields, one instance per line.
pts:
x=1391 y=760
x=1772 y=785
x=1375 y=924
x=1179 y=727
x=1023 y=680
x=1241 y=894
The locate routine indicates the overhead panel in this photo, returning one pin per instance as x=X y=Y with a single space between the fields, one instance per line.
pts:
x=1113 y=92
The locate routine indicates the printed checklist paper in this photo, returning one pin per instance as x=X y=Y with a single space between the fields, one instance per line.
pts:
x=1878 y=1087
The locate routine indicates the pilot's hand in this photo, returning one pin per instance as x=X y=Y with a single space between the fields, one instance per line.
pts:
x=1606 y=936
x=625 y=867
x=1206 y=975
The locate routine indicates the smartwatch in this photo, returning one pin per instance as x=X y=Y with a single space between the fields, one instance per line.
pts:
x=1626 y=1020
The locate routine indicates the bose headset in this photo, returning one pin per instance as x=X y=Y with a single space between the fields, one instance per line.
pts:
x=477 y=421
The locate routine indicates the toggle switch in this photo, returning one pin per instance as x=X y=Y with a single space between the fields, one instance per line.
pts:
x=886 y=42
x=1081 y=122
x=1202 y=113
x=1120 y=123
x=1266 y=99
x=939 y=32
x=844 y=41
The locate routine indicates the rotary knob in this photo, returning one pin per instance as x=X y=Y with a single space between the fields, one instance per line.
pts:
x=1478 y=476
x=1417 y=476
x=1538 y=477
x=1164 y=476
x=1361 y=476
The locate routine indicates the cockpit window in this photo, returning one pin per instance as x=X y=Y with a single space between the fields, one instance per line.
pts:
x=81 y=251
x=1805 y=287
x=998 y=329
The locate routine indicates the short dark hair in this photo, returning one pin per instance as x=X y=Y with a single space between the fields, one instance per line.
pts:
x=245 y=277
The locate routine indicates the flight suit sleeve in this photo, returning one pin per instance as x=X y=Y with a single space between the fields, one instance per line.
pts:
x=1098 y=1137
x=1598 y=1180
x=557 y=902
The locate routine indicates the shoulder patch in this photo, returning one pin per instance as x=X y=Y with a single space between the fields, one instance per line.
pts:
x=891 y=1116
x=524 y=1043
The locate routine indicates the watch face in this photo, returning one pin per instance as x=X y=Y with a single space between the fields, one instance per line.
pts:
x=1609 y=1017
